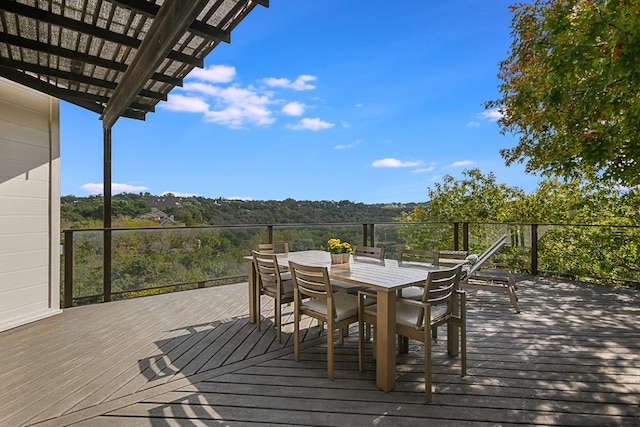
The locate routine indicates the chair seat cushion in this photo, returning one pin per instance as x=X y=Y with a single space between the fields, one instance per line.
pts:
x=287 y=286
x=413 y=292
x=346 y=305
x=408 y=315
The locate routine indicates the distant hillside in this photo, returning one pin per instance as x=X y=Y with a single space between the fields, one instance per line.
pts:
x=79 y=212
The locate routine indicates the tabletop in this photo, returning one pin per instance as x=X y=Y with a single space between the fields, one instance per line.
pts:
x=388 y=275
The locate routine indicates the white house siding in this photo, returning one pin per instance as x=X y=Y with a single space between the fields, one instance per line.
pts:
x=29 y=205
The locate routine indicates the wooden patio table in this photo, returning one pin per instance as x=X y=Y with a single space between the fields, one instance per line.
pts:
x=385 y=278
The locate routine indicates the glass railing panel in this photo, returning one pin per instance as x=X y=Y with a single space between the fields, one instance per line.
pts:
x=517 y=251
x=422 y=236
x=144 y=259
x=87 y=261
x=154 y=260
x=596 y=253
x=315 y=236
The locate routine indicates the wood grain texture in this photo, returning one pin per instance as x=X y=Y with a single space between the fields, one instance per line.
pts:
x=571 y=357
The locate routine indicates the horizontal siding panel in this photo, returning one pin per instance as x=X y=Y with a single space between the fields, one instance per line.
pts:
x=23 y=242
x=25 y=223
x=22 y=186
x=36 y=136
x=31 y=104
x=24 y=299
x=31 y=150
x=23 y=279
x=19 y=261
x=9 y=206
x=39 y=173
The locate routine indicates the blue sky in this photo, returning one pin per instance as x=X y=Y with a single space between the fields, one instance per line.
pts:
x=364 y=100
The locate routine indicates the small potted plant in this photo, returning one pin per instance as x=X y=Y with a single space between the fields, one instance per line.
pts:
x=340 y=251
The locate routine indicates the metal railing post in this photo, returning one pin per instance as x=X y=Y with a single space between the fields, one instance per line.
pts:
x=68 y=269
x=372 y=234
x=107 y=257
x=456 y=236
x=465 y=236
x=534 y=249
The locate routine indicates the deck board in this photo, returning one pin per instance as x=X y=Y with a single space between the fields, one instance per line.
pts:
x=571 y=358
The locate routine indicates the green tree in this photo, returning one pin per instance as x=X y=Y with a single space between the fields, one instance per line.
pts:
x=569 y=89
x=474 y=198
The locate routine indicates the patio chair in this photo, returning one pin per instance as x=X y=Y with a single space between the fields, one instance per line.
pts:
x=452 y=258
x=416 y=258
x=368 y=253
x=496 y=277
x=315 y=297
x=482 y=274
x=442 y=302
x=278 y=248
x=409 y=257
x=273 y=283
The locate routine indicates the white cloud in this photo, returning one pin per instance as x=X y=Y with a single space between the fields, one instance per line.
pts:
x=293 y=109
x=187 y=104
x=492 y=115
x=214 y=74
x=97 y=188
x=179 y=194
x=232 y=106
x=347 y=146
x=473 y=124
x=423 y=170
x=311 y=124
x=213 y=93
x=461 y=163
x=395 y=163
x=241 y=198
x=301 y=83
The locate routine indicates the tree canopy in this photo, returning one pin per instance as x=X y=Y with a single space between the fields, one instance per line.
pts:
x=570 y=89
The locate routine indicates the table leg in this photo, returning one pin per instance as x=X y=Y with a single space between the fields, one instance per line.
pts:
x=253 y=280
x=386 y=341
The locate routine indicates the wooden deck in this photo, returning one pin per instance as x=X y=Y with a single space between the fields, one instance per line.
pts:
x=571 y=358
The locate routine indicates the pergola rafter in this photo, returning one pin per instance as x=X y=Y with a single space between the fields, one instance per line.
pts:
x=82 y=51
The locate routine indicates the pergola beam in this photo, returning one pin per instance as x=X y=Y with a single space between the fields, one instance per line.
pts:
x=42 y=15
x=46 y=48
x=173 y=19
x=200 y=28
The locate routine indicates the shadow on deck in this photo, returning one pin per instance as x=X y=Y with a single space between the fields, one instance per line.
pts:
x=572 y=357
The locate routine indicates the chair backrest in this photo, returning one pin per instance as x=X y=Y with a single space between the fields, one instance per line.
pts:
x=312 y=281
x=368 y=252
x=266 y=265
x=452 y=258
x=415 y=256
x=277 y=248
x=440 y=288
x=484 y=257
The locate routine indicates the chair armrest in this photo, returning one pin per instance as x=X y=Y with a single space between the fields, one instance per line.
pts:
x=413 y=302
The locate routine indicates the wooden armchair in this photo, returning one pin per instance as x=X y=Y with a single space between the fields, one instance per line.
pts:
x=368 y=253
x=277 y=248
x=314 y=296
x=273 y=283
x=442 y=302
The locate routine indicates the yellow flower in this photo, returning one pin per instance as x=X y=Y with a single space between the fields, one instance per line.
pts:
x=338 y=247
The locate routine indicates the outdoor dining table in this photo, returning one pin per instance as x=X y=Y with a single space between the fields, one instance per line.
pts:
x=386 y=278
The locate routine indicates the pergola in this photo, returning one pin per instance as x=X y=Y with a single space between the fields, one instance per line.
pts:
x=118 y=58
